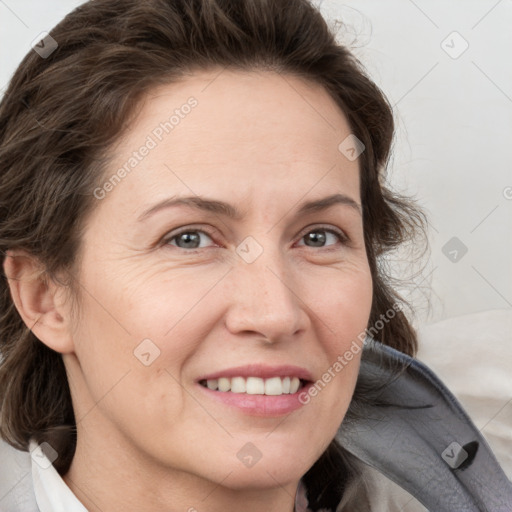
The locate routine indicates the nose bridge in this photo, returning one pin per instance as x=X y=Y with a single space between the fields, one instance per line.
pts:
x=265 y=299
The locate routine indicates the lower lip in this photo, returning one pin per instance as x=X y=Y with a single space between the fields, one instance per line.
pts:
x=259 y=405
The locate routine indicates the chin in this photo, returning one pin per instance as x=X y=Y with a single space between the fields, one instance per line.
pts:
x=272 y=467
x=264 y=475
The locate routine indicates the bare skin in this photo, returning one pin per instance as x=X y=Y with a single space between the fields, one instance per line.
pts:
x=149 y=437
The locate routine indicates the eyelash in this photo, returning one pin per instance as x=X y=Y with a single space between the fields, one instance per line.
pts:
x=342 y=237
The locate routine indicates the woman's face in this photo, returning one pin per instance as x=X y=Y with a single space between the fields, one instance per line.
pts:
x=179 y=295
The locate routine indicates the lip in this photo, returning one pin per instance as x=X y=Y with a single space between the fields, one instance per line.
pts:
x=258 y=405
x=261 y=371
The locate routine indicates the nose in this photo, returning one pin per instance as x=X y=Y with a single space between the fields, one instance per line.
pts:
x=266 y=299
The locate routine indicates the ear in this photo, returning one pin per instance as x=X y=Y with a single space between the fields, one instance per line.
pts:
x=39 y=300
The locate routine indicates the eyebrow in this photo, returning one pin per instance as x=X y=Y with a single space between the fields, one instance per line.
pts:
x=228 y=210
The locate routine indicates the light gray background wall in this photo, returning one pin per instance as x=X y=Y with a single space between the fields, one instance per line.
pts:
x=453 y=107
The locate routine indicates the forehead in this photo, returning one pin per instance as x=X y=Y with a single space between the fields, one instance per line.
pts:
x=237 y=132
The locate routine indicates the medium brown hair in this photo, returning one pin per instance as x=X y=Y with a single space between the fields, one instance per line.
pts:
x=60 y=116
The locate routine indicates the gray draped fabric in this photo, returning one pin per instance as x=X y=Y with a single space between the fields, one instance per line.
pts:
x=414 y=431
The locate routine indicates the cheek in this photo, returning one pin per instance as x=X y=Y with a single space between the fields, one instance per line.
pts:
x=154 y=304
x=159 y=304
x=140 y=331
x=345 y=305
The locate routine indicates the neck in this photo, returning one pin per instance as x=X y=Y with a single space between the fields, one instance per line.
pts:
x=107 y=477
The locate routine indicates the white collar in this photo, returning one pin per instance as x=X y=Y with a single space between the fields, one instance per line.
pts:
x=52 y=493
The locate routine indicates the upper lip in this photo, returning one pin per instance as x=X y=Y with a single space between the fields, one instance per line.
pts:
x=262 y=371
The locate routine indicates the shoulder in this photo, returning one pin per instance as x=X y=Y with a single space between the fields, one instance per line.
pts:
x=472 y=354
x=374 y=492
x=387 y=496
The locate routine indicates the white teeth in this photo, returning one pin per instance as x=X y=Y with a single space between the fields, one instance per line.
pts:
x=212 y=383
x=286 y=385
x=273 y=386
x=255 y=386
x=238 y=385
x=224 y=384
x=294 y=385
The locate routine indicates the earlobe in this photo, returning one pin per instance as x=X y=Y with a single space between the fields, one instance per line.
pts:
x=34 y=296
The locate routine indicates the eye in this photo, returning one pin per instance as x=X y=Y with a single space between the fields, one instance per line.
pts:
x=191 y=239
x=188 y=239
x=319 y=236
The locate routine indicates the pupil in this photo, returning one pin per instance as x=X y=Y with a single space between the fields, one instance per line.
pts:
x=188 y=238
x=317 y=237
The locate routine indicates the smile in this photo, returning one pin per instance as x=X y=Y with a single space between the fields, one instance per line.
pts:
x=273 y=386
